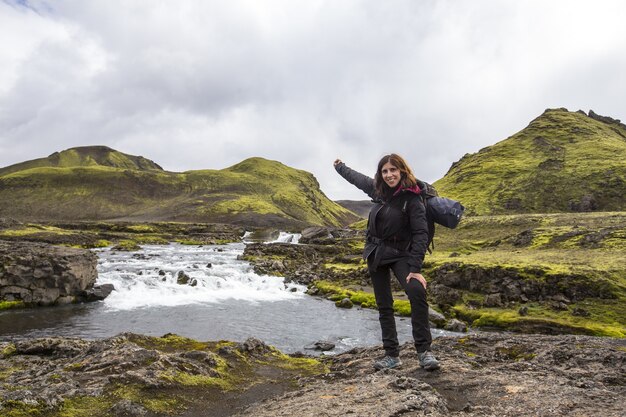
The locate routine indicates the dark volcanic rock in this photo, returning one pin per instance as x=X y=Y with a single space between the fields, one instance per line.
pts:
x=97 y=293
x=41 y=274
x=321 y=345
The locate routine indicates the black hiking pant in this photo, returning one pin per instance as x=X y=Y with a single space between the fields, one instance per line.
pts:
x=384 y=300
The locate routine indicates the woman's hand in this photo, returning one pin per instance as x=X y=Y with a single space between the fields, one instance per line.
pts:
x=337 y=162
x=417 y=276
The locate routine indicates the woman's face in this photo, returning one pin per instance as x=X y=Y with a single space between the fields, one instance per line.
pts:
x=391 y=175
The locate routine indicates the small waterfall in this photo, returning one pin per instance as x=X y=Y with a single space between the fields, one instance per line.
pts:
x=285 y=237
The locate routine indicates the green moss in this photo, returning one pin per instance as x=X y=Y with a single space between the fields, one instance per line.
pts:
x=6 y=305
x=127 y=245
x=142 y=228
x=343 y=266
x=101 y=243
x=7 y=372
x=189 y=380
x=150 y=240
x=304 y=366
x=515 y=353
x=32 y=229
x=11 y=408
x=168 y=343
x=83 y=406
x=360 y=225
x=74 y=367
x=163 y=405
x=362 y=298
x=8 y=350
x=539 y=317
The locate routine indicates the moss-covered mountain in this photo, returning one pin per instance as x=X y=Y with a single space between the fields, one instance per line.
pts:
x=561 y=162
x=86 y=156
x=98 y=183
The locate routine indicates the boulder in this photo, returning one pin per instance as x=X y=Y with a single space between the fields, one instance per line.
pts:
x=44 y=274
x=97 y=293
x=182 y=278
x=436 y=317
x=455 y=325
x=345 y=303
x=315 y=233
x=321 y=345
x=493 y=300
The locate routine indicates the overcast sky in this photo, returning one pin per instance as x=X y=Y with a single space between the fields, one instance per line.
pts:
x=206 y=84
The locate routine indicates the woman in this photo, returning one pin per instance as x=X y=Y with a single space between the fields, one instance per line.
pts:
x=397 y=239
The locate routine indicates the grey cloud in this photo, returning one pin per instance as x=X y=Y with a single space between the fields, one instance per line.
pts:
x=204 y=84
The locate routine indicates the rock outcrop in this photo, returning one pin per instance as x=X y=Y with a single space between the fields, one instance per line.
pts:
x=41 y=274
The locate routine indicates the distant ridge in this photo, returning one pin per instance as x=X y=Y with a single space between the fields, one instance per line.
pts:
x=86 y=156
x=99 y=183
x=562 y=161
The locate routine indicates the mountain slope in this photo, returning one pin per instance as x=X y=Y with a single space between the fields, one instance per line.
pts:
x=562 y=161
x=86 y=156
x=80 y=184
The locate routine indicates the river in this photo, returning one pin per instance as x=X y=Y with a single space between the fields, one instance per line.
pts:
x=224 y=299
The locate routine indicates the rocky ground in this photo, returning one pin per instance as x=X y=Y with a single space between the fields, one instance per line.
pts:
x=481 y=375
x=135 y=375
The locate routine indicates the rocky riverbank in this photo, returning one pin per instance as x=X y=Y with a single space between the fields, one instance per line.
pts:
x=481 y=375
x=34 y=274
x=135 y=375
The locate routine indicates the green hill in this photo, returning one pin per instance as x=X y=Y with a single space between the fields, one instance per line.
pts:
x=98 y=183
x=561 y=162
x=86 y=156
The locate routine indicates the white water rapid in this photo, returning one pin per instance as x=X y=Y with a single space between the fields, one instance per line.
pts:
x=151 y=277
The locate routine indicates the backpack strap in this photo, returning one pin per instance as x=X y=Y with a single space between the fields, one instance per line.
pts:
x=431 y=226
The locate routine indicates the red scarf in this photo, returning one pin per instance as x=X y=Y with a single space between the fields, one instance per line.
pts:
x=415 y=189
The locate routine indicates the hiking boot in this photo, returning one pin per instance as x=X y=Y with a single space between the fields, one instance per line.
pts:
x=428 y=360
x=388 y=362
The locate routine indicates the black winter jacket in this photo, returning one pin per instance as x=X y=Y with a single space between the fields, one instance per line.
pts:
x=396 y=227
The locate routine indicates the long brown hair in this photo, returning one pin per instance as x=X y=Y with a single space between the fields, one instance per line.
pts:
x=407 y=179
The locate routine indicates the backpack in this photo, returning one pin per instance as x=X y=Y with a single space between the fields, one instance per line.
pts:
x=440 y=210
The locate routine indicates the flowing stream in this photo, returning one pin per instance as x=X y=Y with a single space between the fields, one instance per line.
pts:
x=222 y=299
